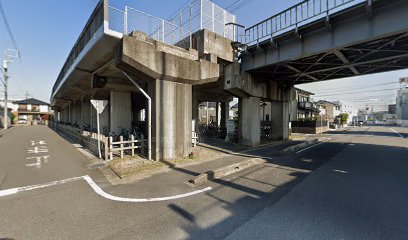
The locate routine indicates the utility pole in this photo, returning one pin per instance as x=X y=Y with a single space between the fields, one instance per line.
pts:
x=5 y=79
x=9 y=54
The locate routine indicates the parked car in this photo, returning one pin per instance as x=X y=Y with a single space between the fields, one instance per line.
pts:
x=22 y=121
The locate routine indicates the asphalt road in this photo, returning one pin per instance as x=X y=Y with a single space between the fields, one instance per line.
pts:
x=349 y=188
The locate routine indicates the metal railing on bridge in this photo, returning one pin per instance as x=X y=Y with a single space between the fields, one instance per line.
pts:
x=293 y=17
x=204 y=14
x=159 y=29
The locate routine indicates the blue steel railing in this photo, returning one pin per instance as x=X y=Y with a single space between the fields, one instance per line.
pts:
x=293 y=17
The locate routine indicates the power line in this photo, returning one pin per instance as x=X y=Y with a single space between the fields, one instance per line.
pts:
x=243 y=4
x=336 y=90
x=390 y=89
x=3 y=14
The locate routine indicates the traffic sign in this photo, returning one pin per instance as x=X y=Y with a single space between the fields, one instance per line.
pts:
x=99 y=105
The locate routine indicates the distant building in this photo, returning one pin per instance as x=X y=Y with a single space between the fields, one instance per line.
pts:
x=304 y=107
x=392 y=109
x=349 y=108
x=210 y=109
x=402 y=107
x=328 y=110
x=31 y=109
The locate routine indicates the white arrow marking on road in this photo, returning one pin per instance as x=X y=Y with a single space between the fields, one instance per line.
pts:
x=99 y=191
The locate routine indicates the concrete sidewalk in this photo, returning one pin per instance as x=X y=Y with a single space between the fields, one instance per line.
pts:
x=175 y=179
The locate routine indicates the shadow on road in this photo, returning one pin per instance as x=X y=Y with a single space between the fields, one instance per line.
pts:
x=293 y=165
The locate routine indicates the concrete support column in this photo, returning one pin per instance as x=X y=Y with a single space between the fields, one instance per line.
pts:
x=249 y=121
x=120 y=111
x=171 y=115
x=224 y=114
x=77 y=111
x=86 y=111
x=280 y=120
x=70 y=113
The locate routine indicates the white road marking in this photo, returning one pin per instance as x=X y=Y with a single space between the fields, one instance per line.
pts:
x=309 y=147
x=12 y=191
x=396 y=132
x=340 y=171
x=99 y=191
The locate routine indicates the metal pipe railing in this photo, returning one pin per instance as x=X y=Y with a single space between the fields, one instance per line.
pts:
x=149 y=115
x=292 y=17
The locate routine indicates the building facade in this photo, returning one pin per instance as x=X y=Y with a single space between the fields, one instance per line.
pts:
x=349 y=108
x=328 y=110
x=31 y=109
x=402 y=107
x=303 y=108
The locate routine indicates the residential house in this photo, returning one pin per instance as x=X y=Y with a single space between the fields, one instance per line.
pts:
x=32 y=109
x=328 y=110
x=302 y=108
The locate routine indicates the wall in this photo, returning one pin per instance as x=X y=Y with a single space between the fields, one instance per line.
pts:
x=44 y=108
x=120 y=111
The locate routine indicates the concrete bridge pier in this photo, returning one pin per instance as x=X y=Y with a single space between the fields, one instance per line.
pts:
x=171 y=119
x=224 y=114
x=249 y=121
x=280 y=120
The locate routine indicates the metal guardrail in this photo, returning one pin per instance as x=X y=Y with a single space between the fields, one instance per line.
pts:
x=293 y=17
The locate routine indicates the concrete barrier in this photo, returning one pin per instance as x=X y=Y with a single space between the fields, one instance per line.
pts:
x=225 y=171
x=300 y=145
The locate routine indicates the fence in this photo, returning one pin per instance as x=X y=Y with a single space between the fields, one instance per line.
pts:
x=300 y=14
x=88 y=140
x=161 y=30
x=309 y=124
x=122 y=146
x=204 y=14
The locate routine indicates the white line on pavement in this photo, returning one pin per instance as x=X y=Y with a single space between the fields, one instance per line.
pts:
x=99 y=191
x=309 y=147
x=396 y=132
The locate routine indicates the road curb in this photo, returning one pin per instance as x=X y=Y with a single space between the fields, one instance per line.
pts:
x=225 y=171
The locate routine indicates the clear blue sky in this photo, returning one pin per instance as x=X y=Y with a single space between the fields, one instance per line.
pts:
x=45 y=31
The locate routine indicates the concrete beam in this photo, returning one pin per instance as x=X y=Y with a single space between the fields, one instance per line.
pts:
x=243 y=84
x=140 y=54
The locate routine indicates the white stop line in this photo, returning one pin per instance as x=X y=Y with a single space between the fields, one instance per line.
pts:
x=99 y=191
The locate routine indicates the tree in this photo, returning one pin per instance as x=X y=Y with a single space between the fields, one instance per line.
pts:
x=343 y=118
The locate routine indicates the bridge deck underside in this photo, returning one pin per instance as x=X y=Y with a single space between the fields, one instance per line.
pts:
x=380 y=55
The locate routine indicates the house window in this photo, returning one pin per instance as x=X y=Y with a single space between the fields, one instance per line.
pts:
x=267 y=117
